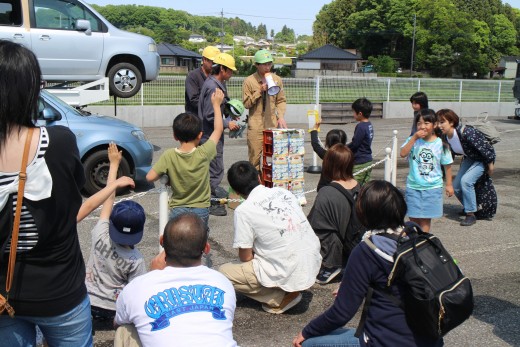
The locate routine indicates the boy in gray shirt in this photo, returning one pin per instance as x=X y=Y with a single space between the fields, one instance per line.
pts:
x=114 y=261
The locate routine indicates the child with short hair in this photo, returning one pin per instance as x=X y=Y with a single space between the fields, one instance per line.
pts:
x=187 y=166
x=114 y=261
x=361 y=144
x=333 y=136
x=426 y=154
x=419 y=100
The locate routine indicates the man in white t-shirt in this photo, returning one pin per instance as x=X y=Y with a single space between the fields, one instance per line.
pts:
x=185 y=303
x=278 y=250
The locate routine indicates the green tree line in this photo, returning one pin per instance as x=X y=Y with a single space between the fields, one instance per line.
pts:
x=452 y=37
x=174 y=26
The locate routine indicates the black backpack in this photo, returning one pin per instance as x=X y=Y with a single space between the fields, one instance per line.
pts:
x=355 y=230
x=437 y=297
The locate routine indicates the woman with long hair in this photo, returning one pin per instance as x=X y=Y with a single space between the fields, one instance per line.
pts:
x=48 y=288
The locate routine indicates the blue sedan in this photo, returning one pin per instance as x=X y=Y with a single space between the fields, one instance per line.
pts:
x=93 y=134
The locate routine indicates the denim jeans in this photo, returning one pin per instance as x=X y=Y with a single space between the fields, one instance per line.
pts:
x=338 y=338
x=71 y=329
x=203 y=213
x=464 y=183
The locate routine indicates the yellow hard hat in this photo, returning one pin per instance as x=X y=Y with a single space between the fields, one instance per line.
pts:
x=226 y=60
x=210 y=52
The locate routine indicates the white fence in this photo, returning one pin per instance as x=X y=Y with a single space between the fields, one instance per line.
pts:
x=169 y=90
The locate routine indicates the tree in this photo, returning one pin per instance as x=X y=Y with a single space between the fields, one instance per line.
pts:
x=330 y=25
x=286 y=35
x=261 y=31
x=383 y=63
x=503 y=35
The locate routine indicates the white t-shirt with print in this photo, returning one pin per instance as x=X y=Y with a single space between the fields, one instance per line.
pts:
x=189 y=307
x=287 y=251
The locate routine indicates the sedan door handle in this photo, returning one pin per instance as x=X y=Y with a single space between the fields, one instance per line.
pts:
x=18 y=36
x=45 y=37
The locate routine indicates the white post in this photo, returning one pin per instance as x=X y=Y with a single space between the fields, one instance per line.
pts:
x=142 y=104
x=388 y=91
x=388 y=165
x=499 y=89
x=316 y=108
x=418 y=85
x=394 y=158
x=314 y=168
x=163 y=206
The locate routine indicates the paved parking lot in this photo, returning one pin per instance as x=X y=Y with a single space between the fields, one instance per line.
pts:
x=488 y=252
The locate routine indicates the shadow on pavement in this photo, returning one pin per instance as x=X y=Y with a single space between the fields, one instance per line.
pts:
x=503 y=315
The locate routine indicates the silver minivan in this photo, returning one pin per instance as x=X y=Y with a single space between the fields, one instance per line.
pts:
x=75 y=43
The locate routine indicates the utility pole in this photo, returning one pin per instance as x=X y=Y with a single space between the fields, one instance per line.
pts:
x=222 y=31
x=413 y=44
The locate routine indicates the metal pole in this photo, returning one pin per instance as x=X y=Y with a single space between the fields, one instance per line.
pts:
x=413 y=44
x=142 y=103
x=388 y=91
x=315 y=168
x=388 y=165
x=460 y=98
x=222 y=31
x=394 y=158
x=163 y=205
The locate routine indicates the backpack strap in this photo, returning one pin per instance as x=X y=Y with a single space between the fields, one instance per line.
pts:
x=368 y=300
x=343 y=191
x=366 y=305
x=350 y=200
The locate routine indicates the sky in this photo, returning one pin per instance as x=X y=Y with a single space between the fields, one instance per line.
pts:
x=296 y=14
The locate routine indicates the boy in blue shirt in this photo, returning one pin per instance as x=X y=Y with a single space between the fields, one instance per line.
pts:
x=361 y=144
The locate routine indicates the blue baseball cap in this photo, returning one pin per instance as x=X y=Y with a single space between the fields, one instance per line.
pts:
x=127 y=223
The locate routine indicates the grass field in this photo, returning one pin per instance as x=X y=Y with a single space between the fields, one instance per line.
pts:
x=169 y=90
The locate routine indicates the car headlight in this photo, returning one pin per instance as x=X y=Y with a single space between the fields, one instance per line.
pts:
x=138 y=134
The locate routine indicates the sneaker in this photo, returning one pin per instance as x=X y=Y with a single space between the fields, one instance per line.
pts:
x=289 y=301
x=469 y=220
x=218 y=210
x=327 y=274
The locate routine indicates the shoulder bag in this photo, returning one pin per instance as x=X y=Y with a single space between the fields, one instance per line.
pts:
x=4 y=301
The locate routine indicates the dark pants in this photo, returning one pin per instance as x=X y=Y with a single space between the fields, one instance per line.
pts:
x=216 y=169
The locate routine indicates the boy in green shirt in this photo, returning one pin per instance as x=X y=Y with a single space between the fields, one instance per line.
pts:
x=187 y=166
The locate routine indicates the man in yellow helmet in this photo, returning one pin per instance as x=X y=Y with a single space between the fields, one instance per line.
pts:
x=266 y=109
x=222 y=70
x=196 y=78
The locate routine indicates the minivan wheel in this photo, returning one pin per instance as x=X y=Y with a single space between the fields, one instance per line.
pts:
x=124 y=80
x=96 y=168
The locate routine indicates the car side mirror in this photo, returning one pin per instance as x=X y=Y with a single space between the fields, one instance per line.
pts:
x=50 y=115
x=83 y=25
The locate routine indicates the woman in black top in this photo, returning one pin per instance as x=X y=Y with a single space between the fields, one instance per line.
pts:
x=48 y=288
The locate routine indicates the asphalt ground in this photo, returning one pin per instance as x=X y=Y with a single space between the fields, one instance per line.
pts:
x=488 y=252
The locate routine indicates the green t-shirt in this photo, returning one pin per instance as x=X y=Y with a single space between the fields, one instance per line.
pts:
x=189 y=174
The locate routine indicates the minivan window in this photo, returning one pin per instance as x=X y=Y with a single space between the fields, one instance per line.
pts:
x=10 y=12
x=62 y=15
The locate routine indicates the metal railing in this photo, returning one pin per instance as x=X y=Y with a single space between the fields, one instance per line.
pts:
x=169 y=90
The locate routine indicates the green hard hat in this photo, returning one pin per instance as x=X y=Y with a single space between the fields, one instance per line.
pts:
x=263 y=56
x=236 y=107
